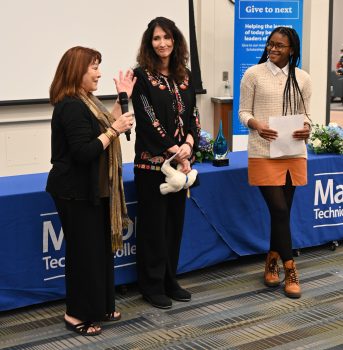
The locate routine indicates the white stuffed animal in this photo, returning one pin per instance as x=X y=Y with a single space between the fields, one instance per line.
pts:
x=176 y=179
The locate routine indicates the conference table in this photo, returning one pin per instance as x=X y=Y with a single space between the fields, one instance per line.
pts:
x=225 y=218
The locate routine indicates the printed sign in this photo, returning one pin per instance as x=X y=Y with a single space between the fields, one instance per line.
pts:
x=254 y=21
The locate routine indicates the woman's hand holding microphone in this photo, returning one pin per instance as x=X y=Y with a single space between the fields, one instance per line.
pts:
x=123 y=123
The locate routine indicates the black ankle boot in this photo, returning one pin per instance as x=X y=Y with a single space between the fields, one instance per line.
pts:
x=160 y=301
x=179 y=294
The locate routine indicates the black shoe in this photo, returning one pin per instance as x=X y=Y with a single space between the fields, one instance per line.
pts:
x=84 y=328
x=160 y=301
x=180 y=294
x=112 y=317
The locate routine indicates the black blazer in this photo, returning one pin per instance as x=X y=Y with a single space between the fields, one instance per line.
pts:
x=75 y=151
x=155 y=114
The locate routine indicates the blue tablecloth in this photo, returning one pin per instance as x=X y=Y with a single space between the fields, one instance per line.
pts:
x=225 y=218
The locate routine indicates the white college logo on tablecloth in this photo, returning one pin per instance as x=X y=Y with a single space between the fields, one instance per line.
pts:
x=328 y=200
x=53 y=250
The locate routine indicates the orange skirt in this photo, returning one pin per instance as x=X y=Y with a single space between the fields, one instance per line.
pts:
x=272 y=172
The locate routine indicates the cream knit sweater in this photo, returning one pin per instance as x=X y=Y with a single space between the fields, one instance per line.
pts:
x=261 y=97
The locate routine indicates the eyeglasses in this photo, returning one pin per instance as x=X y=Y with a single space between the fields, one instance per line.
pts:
x=278 y=46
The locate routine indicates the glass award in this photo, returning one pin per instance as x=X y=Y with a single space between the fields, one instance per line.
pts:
x=220 y=149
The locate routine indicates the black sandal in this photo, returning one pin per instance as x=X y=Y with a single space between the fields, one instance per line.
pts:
x=82 y=328
x=110 y=317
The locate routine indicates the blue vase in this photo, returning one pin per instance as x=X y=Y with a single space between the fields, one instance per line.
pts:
x=220 y=149
x=220 y=144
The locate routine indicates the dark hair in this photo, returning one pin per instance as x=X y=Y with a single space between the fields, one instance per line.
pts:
x=291 y=83
x=148 y=59
x=70 y=71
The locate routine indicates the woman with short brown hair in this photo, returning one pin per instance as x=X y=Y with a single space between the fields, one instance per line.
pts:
x=86 y=185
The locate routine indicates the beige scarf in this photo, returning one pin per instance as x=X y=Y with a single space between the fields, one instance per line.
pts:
x=118 y=210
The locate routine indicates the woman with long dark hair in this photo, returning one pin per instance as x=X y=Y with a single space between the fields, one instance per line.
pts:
x=276 y=87
x=166 y=124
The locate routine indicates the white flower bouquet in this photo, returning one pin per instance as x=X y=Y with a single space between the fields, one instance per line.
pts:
x=326 y=139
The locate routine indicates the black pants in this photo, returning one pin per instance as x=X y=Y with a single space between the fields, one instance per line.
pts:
x=159 y=230
x=279 y=201
x=89 y=268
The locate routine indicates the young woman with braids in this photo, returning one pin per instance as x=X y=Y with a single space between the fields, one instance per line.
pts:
x=276 y=87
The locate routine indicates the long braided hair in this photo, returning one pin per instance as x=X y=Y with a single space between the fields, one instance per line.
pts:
x=292 y=91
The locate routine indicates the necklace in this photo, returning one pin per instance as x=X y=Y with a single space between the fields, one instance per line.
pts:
x=163 y=82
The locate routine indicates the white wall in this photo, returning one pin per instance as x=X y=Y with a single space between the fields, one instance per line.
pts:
x=215 y=27
x=337 y=32
x=25 y=145
x=315 y=54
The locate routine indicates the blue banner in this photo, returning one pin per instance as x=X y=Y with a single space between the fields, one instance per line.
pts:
x=32 y=241
x=254 y=21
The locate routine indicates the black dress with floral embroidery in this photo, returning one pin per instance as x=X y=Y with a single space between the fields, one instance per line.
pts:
x=165 y=114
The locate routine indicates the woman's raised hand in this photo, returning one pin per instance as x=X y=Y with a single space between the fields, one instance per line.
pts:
x=125 y=83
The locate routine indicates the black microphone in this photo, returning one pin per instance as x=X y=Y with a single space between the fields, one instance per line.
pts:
x=124 y=104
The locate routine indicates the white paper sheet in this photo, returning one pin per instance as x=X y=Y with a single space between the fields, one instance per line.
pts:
x=285 y=144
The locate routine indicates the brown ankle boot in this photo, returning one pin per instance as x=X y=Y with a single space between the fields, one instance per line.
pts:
x=271 y=271
x=292 y=285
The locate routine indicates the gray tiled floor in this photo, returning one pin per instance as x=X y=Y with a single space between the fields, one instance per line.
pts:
x=230 y=309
